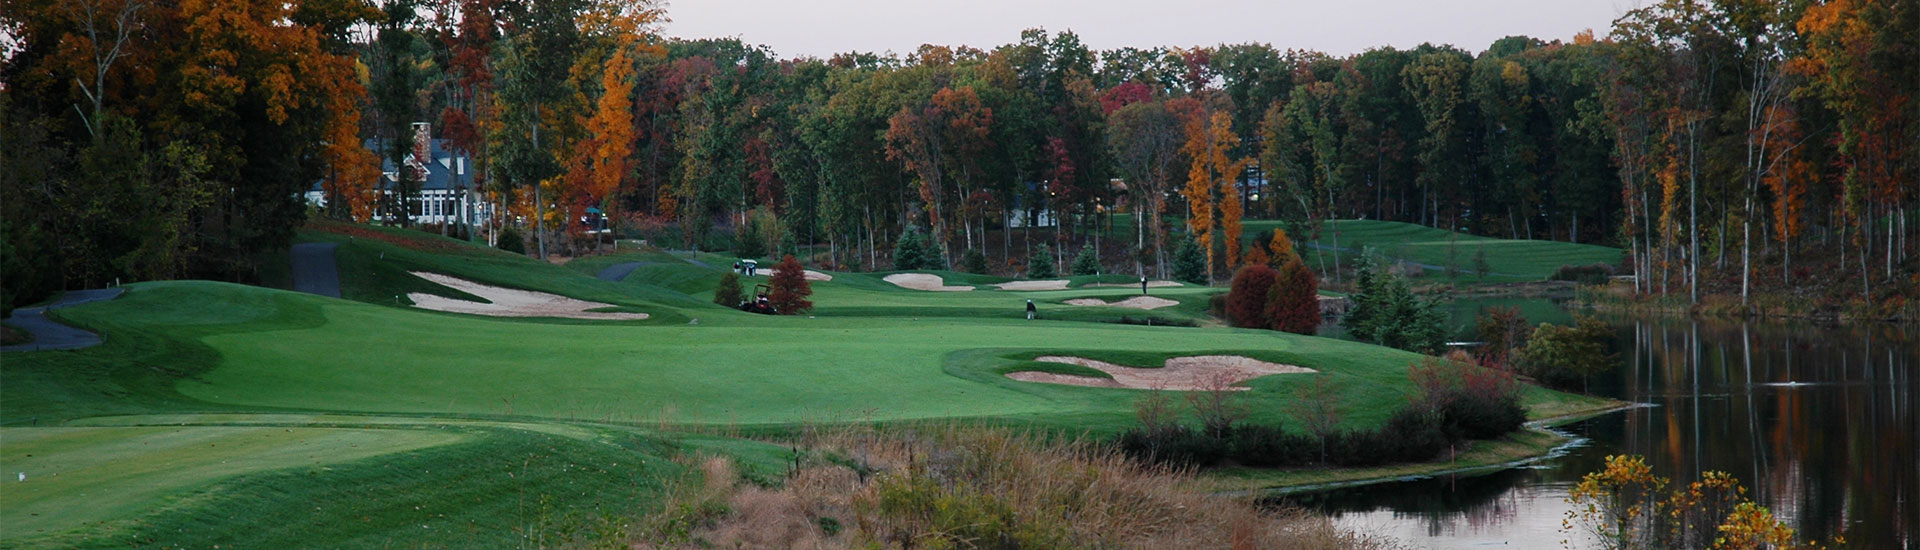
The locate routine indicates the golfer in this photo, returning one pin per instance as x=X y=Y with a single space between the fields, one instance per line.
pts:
x=1030 y=310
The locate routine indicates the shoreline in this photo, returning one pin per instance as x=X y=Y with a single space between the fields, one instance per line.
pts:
x=1762 y=306
x=1536 y=442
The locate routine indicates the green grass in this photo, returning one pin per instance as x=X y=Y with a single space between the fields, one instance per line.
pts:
x=1508 y=259
x=482 y=431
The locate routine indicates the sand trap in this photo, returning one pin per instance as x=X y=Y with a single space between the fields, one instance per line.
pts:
x=810 y=274
x=923 y=281
x=1150 y=284
x=509 y=302
x=1136 y=302
x=1057 y=284
x=1180 y=373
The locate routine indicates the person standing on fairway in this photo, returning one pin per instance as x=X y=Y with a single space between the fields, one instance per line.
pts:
x=1030 y=310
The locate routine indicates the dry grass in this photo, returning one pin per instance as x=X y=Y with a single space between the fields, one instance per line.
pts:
x=946 y=486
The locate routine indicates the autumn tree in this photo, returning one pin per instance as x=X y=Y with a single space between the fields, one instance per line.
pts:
x=1146 y=139
x=1211 y=174
x=790 y=287
x=1247 y=297
x=1293 y=303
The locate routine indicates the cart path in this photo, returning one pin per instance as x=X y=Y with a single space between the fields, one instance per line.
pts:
x=619 y=272
x=51 y=335
x=314 y=271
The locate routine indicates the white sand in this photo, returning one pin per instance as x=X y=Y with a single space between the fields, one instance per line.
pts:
x=1057 y=284
x=923 y=281
x=1202 y=372
x=1136 y=302
x=1150 y=284
x=508 y=302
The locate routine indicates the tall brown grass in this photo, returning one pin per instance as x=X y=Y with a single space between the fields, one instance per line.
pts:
x=954 y=486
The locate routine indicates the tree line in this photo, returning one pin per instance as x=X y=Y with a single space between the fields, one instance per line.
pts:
x=150 y=140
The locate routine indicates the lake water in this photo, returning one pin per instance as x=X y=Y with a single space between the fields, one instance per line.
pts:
x=1819 y=423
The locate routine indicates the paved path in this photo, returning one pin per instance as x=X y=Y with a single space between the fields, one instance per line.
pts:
x=50 y=335
x=314 y=271
x=619 y=272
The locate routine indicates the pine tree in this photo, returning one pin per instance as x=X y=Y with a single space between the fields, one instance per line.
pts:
x=1087 y=262
x=908 y=252
x=749 y=243
x=1040 y=265
x=974 y=261
x=1189 y=263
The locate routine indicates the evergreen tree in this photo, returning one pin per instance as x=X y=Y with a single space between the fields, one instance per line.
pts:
x=1087 y=262
x=932 y=255
x=1189 y=263
x=973 y=261
x=1040 y=265
x=908 y=253
x=750 y=243
x=728 y=293
x=788 y=247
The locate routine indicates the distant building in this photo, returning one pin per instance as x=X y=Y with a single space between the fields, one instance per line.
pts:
x=445 y=181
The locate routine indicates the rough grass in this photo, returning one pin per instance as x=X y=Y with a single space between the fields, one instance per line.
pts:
x=945 y=485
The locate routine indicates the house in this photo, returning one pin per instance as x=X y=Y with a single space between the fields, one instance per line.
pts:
x=444 y=178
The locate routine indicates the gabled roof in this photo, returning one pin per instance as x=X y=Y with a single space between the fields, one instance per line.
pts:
x=442 y=172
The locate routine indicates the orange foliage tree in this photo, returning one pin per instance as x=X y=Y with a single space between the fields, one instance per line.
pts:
x=1210 y=180
x=790 y=287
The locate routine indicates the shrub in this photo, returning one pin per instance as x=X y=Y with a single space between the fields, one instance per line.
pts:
x=1247 y=296
x=728 y=293
x=973 y=261
x=1087 y=262
x=1560 y=355
x=1293 y=305
x=1590 y=274
x=511 y=241
x=1040 y=264
x=1470 y=402
x=790 y=287
x=1189 y=262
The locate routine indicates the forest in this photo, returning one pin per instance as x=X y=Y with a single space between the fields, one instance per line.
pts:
x=1727 y=146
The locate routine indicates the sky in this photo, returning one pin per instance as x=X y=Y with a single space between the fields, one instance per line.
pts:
x=821 y=28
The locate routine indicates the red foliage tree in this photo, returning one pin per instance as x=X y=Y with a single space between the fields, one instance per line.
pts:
x=1294 y=303
x=790 y=288
x=1247 y=300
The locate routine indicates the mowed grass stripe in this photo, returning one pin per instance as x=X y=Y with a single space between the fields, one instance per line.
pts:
x=81 y=476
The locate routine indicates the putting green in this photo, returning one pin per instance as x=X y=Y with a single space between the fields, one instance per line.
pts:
x=79 y=477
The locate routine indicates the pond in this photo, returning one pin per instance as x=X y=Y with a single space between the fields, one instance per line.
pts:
x=1819 y=423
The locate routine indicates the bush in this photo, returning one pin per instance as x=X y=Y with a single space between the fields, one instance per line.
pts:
x=974 y=261
x=1561 y=355
x=1247 y=296
x=1087 y=262
x=511 y=241
x=1469 y=401
x=1040 y=265
x=728 y=293
x=934 y=256
x=1591 y=274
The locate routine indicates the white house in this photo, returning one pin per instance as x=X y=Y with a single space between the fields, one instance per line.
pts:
x=446 y=194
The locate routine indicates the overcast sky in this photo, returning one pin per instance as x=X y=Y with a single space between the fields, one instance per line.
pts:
x=821 y=28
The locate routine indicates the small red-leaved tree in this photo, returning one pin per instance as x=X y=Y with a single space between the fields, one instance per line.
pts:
x=1294 y=303
x=790 y=288
x=1247 y=298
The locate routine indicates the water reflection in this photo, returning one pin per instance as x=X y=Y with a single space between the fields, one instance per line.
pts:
x=1819 y=423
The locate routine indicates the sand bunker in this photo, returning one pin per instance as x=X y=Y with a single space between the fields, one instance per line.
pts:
x=1136 y=302
x=1150 y=284
x=1180 y=373
x=923 y=281
x=509 y=302
x=1058 y=284
x=810 y=274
